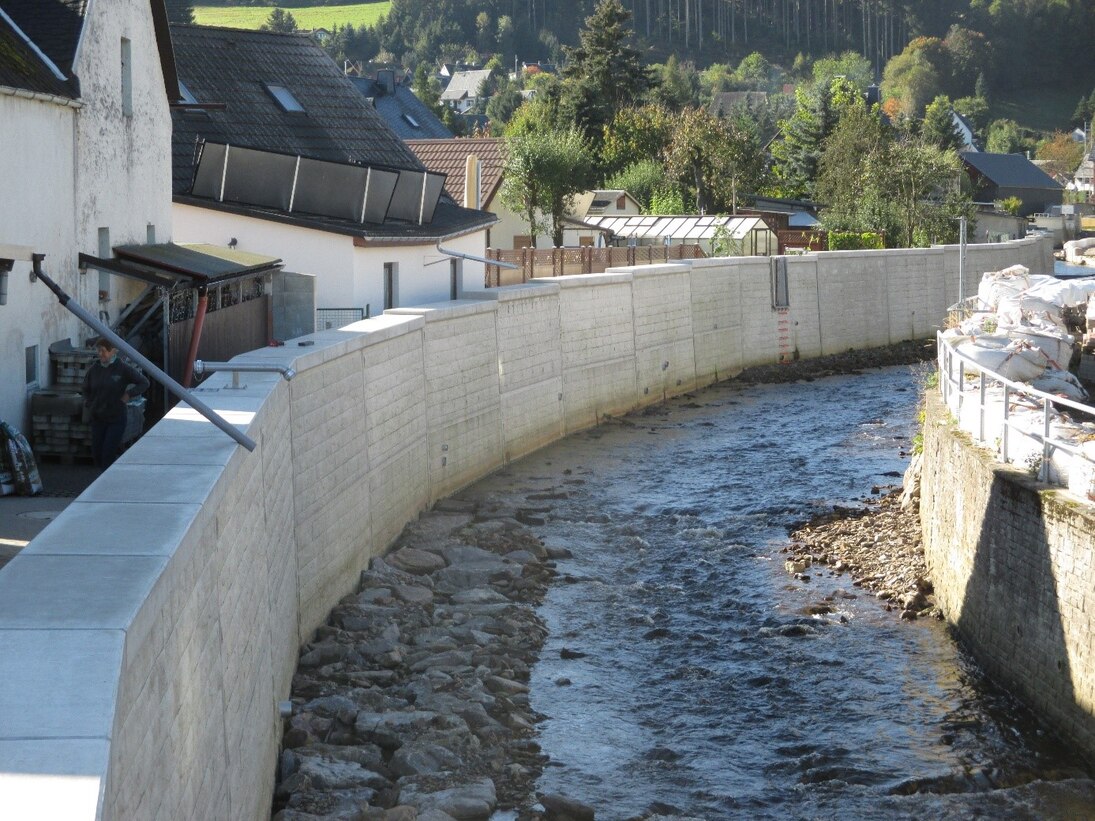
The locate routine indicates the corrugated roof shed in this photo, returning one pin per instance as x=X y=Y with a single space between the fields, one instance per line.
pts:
x=450 y=157
x=239 y=68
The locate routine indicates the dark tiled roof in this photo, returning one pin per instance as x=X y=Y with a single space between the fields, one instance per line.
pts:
x=399 y=109
x=448 y=221
x=449 y=157
x=232 y=66
x=1009 y=170
x=53 y=25
x=21 y=67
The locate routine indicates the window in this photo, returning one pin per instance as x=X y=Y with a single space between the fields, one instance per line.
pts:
x=455 y=285
x=780 y=296
x=32 y=366
x=621 y=202
x=185 y=94
x=284 y=98
x=127 y=78
x=391 y=285
x=411 y=120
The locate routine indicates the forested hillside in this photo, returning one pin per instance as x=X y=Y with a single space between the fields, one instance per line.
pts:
x=1031 y=41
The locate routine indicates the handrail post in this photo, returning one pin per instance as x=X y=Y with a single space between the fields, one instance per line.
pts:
x=1007 y=424
x=1043 y=469
x=981 y=411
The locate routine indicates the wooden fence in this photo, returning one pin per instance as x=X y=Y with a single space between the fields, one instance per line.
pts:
x=536 y=263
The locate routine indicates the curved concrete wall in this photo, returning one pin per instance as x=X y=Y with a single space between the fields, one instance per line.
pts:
x=147 y=634
x=1011 y=561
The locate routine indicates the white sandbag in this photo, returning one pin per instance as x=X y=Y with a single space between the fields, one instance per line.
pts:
x=1077 y=248
x=1064 y=292
x=1056 y=347
x=1015 y=361
x=997 y=284
x=1060 y=383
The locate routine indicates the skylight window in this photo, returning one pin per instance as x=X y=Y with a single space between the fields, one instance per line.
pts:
x=284 y=98
x=411 y=120
x=186 y=95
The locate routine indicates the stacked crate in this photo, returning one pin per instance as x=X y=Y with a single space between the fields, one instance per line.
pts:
x=57 y=427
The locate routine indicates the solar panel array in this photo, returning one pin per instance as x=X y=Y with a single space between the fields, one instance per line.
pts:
x=363 y=194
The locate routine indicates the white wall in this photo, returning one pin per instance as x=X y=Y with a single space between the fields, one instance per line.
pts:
x=69 y=171
x=149 y=688
x=347 y=275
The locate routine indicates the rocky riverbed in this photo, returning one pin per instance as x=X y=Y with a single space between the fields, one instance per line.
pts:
x=412 y=701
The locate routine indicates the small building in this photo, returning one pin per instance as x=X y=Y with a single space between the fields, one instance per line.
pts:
x=1000 y=176
x=604 y=202
x=964 y=127
x=721 y=235
x=464 y=88
x=296 y=163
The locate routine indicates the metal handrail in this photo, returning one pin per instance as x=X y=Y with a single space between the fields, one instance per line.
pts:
x=949 y=384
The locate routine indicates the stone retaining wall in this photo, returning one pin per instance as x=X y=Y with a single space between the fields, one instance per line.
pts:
x=148 y=633
x=1011 y=561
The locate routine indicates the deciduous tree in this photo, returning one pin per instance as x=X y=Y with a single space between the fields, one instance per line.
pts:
x=720 y=159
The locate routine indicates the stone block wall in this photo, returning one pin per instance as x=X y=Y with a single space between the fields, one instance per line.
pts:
x=1011 y=561
x=148 y=633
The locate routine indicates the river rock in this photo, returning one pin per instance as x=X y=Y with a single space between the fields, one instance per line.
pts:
x=413 y=560
x=468 y=802
x=328 y=774
x=422 y=758
x=562 y=808
x=413 y=594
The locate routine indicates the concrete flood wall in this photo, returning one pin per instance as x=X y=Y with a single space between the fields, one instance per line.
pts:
x=148 y=633
x=1012 y=563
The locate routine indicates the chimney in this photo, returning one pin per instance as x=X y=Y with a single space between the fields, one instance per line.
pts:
x=473 y=180
x=385 y=78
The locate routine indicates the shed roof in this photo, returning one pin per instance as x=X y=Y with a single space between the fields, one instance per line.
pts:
x=23 y=66
x=1009 y=170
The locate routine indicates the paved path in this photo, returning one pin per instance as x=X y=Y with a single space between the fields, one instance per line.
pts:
x=24 y=517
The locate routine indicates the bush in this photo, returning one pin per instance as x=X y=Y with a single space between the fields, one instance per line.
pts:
x=854 y=240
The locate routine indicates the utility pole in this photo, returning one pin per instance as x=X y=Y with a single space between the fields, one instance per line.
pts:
x=961 y=255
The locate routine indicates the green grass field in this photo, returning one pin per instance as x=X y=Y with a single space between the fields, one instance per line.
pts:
x=251 y=17
x=1041 y=109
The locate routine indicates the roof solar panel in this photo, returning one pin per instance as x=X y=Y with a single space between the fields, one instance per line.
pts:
x=330 y=189
x=259 y=178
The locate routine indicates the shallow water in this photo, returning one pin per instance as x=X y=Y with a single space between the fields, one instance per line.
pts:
x=705 y=688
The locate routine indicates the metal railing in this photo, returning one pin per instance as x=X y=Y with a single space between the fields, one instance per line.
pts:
x=953 y=369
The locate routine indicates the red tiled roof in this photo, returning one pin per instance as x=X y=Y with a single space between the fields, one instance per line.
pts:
x=450 y=157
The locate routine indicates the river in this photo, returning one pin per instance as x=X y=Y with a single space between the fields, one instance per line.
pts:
x=683 y=673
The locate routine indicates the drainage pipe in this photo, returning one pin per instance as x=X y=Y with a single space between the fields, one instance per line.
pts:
x=170 y=384
x=195 y=336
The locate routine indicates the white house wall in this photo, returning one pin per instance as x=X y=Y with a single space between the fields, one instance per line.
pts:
x=124 y=162
x=70 y=171
x=36 y=212
x=347 y=276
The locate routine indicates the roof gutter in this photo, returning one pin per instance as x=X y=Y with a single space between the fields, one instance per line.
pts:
x=42 y=97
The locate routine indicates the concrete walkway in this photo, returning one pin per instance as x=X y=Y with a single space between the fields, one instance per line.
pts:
x=24 y=517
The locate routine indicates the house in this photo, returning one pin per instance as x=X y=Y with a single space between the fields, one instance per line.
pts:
x=1000 y=176
x=462 y=92
x=964 y=127
x=84 y=155
x=1084 y=178
x=289 y=158
x=401 y=109
x=480 y=160
x=603 y=202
